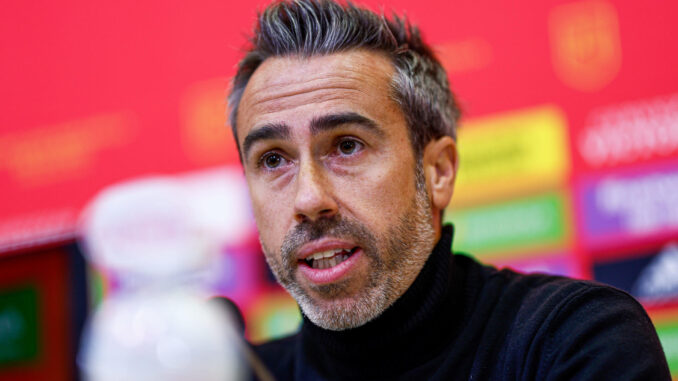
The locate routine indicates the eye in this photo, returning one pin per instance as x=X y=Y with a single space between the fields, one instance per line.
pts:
x=272 y=160
x=349 y=146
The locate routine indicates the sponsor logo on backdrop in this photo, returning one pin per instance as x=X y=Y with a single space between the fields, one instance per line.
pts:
x=63 y=151
x=518 y=226
x=668 y=335
x=512 y=154
x=658 y=281
x=617 y=207
x=585 y=44
x=631 y=132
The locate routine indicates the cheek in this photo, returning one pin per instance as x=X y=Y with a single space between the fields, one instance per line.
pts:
x=270 y=209
x=381 y=194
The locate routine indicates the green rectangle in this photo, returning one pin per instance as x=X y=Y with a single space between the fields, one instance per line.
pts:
x=18 y=325
x=668 y=335
x=510 y=226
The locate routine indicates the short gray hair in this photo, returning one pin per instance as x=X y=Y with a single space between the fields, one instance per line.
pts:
x=319 y=27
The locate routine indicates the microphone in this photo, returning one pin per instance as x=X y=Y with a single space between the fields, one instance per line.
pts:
x=259 y=370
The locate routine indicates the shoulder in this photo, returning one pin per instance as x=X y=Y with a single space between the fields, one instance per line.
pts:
x=585 y=330
x=554 y=327
x=547 y=296
x=555 y=302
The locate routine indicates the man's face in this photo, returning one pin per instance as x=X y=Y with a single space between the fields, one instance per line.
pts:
x=340 y=202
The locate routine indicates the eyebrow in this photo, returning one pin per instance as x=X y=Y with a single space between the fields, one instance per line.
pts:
x=265 y=132
x=331 y=121
x=318 y=125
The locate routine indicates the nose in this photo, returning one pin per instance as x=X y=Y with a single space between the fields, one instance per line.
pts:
x=313 y=199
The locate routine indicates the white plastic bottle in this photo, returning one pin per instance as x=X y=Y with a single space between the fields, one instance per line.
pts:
x=157 y=324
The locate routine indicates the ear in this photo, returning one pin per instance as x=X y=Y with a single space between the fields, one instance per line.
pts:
x=440 y=167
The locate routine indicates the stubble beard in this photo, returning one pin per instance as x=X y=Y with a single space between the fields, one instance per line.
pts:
x=395 y=260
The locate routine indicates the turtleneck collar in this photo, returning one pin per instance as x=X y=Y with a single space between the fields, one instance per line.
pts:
x=415 y=320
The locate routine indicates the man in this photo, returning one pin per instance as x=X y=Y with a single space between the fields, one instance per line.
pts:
x=346 y=130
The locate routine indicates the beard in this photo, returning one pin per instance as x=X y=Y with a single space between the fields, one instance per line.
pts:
x=395 y=259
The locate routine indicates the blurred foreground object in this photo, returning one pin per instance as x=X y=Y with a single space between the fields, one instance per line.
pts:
x=157 y=324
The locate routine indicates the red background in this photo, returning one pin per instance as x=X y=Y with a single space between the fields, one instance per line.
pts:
x=94 y=93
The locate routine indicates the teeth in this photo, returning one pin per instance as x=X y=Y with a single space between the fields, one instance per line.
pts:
x=325 y=254
x=327 y=259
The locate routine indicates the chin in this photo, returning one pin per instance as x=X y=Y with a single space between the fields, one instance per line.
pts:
x=344 y=313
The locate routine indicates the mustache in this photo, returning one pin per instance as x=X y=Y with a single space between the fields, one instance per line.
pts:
x=334 y=226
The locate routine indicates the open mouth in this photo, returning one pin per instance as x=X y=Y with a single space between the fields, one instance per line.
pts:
x=330 y=258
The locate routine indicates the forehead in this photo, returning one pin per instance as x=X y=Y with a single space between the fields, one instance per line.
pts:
x=295 y=89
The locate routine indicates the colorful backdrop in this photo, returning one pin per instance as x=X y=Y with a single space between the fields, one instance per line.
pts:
x=569 y=139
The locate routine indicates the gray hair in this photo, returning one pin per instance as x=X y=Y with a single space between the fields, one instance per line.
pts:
x=319 y=27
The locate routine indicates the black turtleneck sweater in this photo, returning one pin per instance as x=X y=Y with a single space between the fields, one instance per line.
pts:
x=461 y=320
